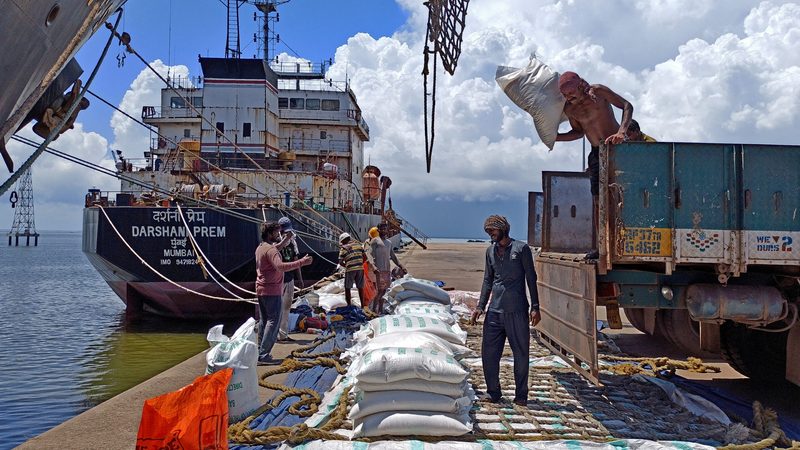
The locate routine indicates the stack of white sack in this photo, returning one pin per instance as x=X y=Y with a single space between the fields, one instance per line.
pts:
x=407 y=384
x=418 y=297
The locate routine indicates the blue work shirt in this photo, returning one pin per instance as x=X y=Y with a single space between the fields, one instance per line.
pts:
x=505 y=277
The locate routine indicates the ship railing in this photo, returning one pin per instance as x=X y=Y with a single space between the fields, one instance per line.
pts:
x=158 y=112
x=312 y=85
x=304 y=67
x=169 y=143
x=340 y=116
x=314 y=145
x=411 y=229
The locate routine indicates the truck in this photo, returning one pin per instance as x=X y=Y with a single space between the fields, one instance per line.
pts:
x=697 y=242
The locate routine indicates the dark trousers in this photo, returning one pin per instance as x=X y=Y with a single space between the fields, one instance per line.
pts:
x=269 y=310
x=496 y=328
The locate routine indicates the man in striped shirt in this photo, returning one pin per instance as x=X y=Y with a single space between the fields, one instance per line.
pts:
x=351 y=257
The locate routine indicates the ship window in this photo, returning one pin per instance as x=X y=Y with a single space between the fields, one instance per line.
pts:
x=323 y=134
x=177 y=102
x=246 y=129
x=187 y=132
x=296 y=103
x=321 y=193
x=330 y=105
x=283 y=102
x=312 y=104
x=197 y=102
x=221 y=127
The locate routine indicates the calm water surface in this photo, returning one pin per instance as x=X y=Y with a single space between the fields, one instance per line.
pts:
x=64 y=342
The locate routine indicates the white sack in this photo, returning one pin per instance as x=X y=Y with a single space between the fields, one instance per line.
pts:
x=434 y=313
x=413 y=340
x=534 y=88
x=424 y=288
x=395 y=323
x=452 y=390
x=408 y=423
x=367 y=403
x=391 y=364
x=239 y=352
x=329 y=302
x=336 y=287
x=423 y=302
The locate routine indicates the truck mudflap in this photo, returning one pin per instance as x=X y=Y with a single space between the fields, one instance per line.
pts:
x=567 y=300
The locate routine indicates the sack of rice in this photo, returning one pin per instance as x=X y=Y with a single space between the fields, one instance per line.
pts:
x=391 y=364
x=426 y=311
x=366 y=403
x=392 y=324
x=423 y=288
x=409 y=423
x=452 y=390
x=413 y=340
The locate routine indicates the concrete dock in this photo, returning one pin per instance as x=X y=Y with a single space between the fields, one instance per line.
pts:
x=114 y=423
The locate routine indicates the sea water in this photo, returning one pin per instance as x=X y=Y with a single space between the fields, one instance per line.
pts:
x=65 y=345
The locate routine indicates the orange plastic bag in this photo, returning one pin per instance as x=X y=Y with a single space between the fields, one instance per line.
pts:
x=369 y=288
x=195 y=416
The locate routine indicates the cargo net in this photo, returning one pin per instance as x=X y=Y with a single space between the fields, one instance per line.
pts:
x=446 y=20
x=563 y=406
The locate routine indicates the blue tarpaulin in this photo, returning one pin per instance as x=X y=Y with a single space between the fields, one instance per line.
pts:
x=318 y=378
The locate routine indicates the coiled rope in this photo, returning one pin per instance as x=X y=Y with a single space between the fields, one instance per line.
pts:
x=309 y=402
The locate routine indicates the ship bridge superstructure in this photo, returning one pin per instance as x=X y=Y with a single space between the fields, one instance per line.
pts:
x=281 y=128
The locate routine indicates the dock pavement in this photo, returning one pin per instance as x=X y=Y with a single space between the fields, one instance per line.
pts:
x=114 y=423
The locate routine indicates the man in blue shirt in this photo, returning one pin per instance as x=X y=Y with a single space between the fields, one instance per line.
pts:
x=509 y=265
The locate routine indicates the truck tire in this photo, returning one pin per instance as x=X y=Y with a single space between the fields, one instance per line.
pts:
x=678 y=328
x=636 y=318
x=756 y=354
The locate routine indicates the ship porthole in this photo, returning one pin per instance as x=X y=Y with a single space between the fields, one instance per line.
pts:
x=51 y=16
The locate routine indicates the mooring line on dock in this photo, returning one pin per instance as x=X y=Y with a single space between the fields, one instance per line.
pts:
x=210 y=264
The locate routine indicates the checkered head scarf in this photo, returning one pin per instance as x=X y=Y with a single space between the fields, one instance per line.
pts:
x=498 y=223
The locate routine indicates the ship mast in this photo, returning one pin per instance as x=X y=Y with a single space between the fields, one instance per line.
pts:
x=232 y=44
x=269 y=15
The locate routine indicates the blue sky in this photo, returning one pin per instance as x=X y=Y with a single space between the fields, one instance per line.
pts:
x=695 y=70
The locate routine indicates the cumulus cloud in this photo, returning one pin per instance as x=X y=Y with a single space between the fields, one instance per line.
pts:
x=59 y=186
x=145 y=90
x=697 y=71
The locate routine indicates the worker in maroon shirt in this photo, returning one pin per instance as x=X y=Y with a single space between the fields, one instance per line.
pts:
x=269 y=285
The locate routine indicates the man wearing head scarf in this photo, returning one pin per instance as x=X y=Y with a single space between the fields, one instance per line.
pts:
x=383 y=254
x=589 y=110
x=509 y=266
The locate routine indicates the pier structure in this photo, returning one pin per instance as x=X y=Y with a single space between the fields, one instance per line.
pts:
x=22 y=201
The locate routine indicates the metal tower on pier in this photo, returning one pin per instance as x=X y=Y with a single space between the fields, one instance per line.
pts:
x=22 y=202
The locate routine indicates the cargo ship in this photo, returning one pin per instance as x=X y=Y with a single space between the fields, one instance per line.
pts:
x=250 y=140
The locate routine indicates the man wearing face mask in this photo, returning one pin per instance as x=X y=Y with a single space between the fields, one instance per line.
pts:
x=509 y=266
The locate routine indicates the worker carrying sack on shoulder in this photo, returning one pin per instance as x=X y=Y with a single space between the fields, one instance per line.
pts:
x=534 y=88
x=240 y=353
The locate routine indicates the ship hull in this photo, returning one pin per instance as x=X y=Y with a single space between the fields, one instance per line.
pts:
x=147 y=258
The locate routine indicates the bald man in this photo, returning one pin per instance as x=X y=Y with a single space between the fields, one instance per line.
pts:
x=509 y=265
x=590 y=113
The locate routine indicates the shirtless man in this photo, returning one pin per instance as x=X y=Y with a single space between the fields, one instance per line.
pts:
x=589 y=111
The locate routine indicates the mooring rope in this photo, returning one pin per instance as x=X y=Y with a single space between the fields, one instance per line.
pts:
x=162 y=276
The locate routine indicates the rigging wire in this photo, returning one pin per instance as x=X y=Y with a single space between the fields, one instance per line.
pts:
x=70 y=111
x=164 y=277
x=156 y=188
x=177 y=146
x=212 y=126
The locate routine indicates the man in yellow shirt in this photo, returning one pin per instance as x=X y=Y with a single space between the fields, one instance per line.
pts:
x=635 y=133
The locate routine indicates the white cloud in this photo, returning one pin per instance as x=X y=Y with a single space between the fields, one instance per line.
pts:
x=59 y=186
x=729 y=73
x=145 y=90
